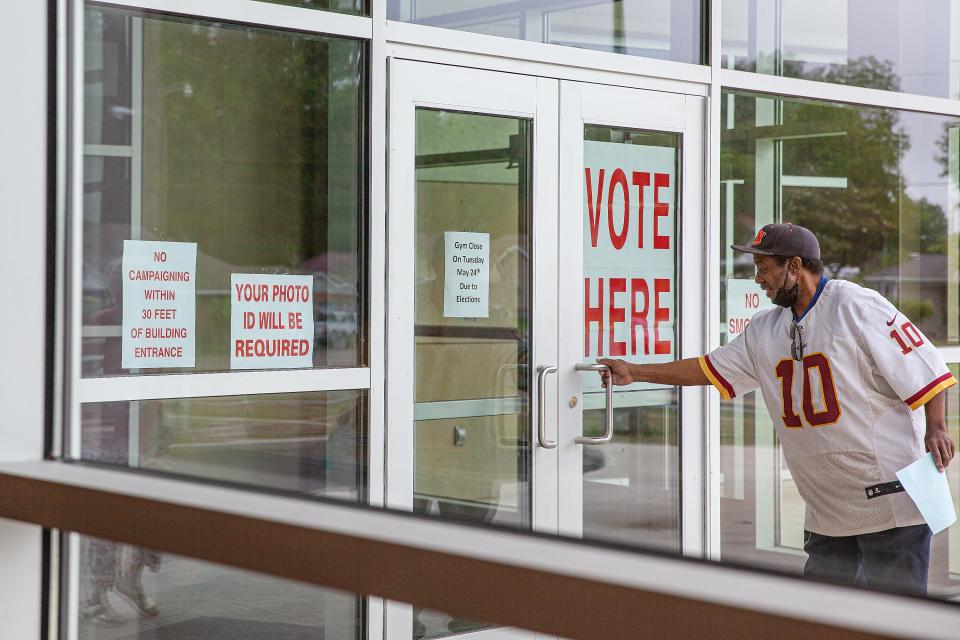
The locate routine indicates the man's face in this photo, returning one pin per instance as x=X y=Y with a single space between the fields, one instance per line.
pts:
x=769 y=274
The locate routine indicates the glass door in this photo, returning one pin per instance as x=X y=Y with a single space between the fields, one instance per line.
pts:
x=472 y=305
x=631 y=166
x=534 y=226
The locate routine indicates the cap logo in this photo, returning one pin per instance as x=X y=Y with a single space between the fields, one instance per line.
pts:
x=759 y=238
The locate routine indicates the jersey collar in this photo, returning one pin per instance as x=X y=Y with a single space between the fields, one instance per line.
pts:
x=813 y=301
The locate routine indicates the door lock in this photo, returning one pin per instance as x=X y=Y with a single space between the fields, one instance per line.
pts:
x=573 y=401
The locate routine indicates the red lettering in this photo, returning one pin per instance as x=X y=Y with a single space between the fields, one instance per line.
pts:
x=831 y=412
x=641 y=179
x=594 y=211
x=618 y=240
x=592 y=314
x=639 y=316
x=660 y=314
x=913 y=334
x=617 y=314
x=785 y=372
x=660 y=209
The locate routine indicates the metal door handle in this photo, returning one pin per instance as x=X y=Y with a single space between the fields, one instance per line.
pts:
x=542 y=373
x=608 y=433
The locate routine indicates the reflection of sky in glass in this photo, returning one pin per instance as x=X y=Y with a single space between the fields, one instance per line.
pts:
x=919 y=39
x=665 y=29
x=922 y=171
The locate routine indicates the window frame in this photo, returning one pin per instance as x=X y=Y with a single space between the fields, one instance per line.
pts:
x=386 y=39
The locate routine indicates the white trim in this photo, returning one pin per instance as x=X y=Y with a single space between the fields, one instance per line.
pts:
x=108 y=150
x=467 y=408
x=25 y=263
x=401 y=178
x=70 y=574
x=796 y=88
x=205 y=385
x=376 y=216
x=570 y=329
x=884 y=614
x=710 y=432
x=73 y=218
x=101 y=331
x=692 y=253
x=59 y=310
x=816 y=182
x=537 y=58
x=544 y=334
x=260 y=13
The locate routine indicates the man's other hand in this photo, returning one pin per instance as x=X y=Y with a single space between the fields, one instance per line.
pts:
x=620 y=370
x=941 y=446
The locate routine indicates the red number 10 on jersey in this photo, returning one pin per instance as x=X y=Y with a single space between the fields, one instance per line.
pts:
x=831 y=411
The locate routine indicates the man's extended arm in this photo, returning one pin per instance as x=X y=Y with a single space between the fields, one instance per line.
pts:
x=936 y=440
x=681 y=373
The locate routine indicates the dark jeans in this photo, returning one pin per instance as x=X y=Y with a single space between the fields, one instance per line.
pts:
x=893 y=560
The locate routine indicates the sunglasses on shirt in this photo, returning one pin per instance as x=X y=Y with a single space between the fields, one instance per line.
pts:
x=797 y=345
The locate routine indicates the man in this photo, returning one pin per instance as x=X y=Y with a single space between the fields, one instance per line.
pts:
x=843 y=374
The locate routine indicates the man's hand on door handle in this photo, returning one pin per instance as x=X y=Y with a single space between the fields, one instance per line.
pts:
x=680 y=373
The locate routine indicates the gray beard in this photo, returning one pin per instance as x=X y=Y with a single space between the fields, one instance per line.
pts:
x=787 y=298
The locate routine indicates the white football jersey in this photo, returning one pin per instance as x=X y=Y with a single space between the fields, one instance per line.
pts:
x=847 y=413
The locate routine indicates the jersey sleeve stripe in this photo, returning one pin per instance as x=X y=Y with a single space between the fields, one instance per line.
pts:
x=923 y=396
x=724 y=387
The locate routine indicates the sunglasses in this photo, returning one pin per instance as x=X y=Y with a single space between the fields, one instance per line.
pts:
x=797 y=346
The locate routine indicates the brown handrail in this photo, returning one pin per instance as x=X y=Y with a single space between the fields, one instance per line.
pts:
x=472 y=587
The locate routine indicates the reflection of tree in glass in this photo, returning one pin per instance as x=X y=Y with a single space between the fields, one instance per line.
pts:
x=844 y=172
x=857 y=226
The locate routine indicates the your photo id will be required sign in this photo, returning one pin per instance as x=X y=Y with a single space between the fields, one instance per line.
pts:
x=271 y=321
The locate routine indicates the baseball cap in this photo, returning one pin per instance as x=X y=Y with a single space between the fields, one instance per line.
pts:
x=786 y=239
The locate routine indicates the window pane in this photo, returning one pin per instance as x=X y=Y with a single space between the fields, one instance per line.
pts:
x=352 y=7
x=631 y=486
x=303 y=443
x=665 y=29
x=243 y=146
x=472 y=455
x=130 y=593
x=107 y=106
x=897 y=45
x=879 y=188
x=472 y=337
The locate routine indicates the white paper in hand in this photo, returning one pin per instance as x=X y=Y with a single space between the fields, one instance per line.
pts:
x=930 y=491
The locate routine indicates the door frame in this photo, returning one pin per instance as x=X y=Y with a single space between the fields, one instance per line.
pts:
x=582 y=103
x=542 y=100
x=417 y=84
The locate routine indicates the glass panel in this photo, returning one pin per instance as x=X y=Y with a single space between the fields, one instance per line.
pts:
x=879 y=186
x=631 y=486
x=257 y=168
x=107 y=105
x=880 y=189
x=471 y=435
x=897 y=45
x=665 y=29
x=946 y=545
x=304 y=443
x=130 y=593
x=352 y=7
